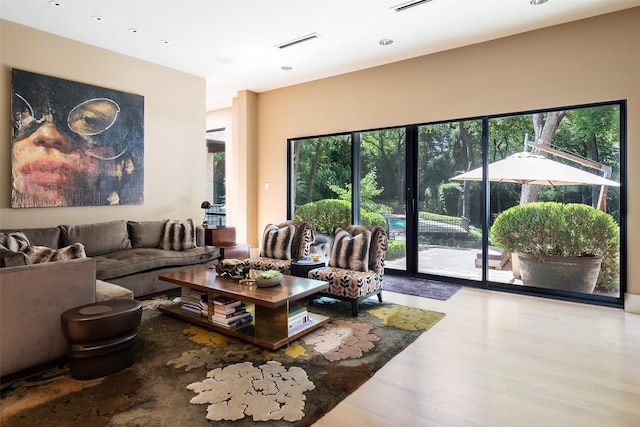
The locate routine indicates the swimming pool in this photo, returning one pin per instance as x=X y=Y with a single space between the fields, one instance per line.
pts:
x=397 y=222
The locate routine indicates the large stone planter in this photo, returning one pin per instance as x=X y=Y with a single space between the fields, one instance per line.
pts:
x=574 y=274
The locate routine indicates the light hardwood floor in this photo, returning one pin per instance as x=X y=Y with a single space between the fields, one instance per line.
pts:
x=500 y=359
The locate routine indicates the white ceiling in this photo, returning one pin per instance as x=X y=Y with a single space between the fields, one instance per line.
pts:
x=231 y=42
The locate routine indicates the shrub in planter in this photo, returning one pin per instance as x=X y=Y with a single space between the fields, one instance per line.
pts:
x=328 y=214
x=325 y=215
x=396 y=249
x=544 y=229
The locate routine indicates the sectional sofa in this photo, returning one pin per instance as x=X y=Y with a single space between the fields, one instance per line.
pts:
x=126 y=253
x=131 y=254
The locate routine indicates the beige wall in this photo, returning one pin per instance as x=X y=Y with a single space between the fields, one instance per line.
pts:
x=174 y=141
x=587 y=61
x=241 y=142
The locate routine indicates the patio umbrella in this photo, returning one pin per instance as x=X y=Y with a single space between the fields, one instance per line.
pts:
x=528 y=168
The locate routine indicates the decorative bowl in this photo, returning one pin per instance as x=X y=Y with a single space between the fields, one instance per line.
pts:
x=267 y=282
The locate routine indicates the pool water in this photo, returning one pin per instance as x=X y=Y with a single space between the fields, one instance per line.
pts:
x=397 y=222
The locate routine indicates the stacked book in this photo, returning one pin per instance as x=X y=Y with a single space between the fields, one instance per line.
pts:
x=194 y=302
x=228 y=312
x=298 y=316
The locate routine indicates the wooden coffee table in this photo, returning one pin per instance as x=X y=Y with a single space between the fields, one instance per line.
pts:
x=270 y=306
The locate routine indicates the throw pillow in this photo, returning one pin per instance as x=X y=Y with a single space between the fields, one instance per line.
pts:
x=14 y=242
x=276 y=242
x=178 y=235
x=13 y=259
x=42 y=254
x=350 y=252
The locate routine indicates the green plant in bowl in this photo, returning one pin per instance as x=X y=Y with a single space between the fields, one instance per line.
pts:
x=268 y=278
x=269 y=274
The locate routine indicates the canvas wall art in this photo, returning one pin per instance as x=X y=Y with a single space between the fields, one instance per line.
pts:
x=74 y=144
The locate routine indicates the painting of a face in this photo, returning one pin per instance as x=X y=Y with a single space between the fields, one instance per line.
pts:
x=74 y=144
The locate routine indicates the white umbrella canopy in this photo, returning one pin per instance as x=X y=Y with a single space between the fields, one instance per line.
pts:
x=527 y=168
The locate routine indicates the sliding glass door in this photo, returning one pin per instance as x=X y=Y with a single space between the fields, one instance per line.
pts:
x=549 y=169
x=449 y=213
x=439 y=189
x=382 y=192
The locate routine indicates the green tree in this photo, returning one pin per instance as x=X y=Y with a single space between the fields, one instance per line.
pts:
x=368 y=190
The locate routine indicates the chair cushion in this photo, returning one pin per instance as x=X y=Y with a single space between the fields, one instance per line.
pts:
x=178 y=235
x=276 y=242
x=350 y=252
x=264 y=264
x=348 y=283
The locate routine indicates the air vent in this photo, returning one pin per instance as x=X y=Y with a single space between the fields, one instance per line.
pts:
x=404 y=6
x=298 y=40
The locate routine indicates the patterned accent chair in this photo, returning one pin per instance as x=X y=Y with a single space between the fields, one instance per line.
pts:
x=281 y=244
x=355 y=273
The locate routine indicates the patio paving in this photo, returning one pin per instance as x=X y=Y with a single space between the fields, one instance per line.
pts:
x=453 y=262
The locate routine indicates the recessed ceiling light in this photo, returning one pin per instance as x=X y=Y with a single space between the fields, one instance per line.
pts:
x=286 y=67
x=165 y=41
x=134 y=30
x=223 y=60
x=55 y=3
x=537 y=2
x=98 y=18
x=385 y=42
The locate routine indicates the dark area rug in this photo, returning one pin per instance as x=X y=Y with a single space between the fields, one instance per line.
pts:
x=420 y=287
x=185 y=375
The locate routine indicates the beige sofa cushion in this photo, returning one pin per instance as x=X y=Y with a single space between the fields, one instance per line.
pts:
x=98 y=238
x=106 y=291
x=47 y=236
x=13 y=259
x=131 y=261
x=146 y=234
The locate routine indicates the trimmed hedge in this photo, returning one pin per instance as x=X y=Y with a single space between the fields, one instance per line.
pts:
x=328 y=214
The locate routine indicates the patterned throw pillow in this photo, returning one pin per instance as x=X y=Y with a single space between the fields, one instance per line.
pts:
x=13 y=242
x=178 y=235
x=276 y=242
x=42 y=254
x=350 y=252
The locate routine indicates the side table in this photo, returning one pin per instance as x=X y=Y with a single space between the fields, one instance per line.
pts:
x=234 y=251
x=101 y=337
x=302 y=267
x=225 y=239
